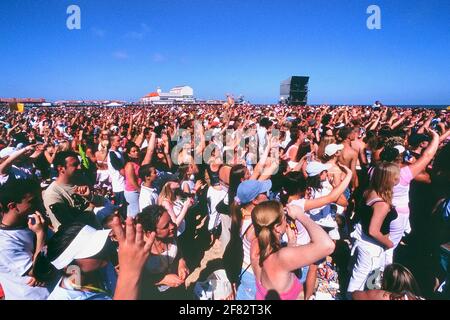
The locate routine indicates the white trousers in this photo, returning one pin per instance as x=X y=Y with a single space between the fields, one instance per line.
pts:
x=370 y=258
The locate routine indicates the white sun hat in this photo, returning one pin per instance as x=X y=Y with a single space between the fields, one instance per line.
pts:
x=86 y=244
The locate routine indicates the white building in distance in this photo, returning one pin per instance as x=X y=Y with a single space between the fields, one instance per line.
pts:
x=183 y=94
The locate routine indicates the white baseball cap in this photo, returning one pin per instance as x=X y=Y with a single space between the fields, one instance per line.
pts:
x=331 y=149
x=400 y=148
x=314 y=168
x=6 y=152
x=86 y=244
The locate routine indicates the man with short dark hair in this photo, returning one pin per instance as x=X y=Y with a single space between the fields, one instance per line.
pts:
x=22 y=236
x=65 y=194
x=116 y=165
x=149 y=192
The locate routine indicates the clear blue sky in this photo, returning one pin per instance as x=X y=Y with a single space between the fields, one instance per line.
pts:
x=126 y=49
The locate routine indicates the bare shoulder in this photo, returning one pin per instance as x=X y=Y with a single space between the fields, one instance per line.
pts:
x=382 y=205
x=370 y=295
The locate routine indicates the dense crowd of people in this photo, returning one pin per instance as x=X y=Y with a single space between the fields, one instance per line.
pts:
x=123 y=203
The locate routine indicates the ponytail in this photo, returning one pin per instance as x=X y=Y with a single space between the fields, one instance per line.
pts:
x=268 y=243
x=236 y=218
x=265 y=216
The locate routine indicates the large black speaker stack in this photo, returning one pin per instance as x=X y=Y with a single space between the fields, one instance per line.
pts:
x=294 y=91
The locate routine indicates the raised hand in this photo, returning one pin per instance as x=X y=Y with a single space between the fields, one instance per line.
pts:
x=134 y=251
x=36 y=222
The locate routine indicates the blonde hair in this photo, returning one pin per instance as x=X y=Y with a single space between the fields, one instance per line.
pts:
x=265 y=216
x=104 y=144
x=64 y=146
x=384 y=179
x=166 y=194
x=326 y=140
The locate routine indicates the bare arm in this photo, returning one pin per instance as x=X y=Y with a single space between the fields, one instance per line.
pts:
x=140 y=138
x=421 y=163
x=150 y=150
x=49 y=157
x=5 y=166
x=173 y=216
x=355 y=181
x=425 y=125
x=134 y=251
x=261 y=163
x=321 y=245
x=444 y=136
x=333 y=196
x=397 y=123
x=375 y=124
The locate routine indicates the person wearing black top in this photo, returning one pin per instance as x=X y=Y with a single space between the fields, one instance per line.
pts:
x=372 y=232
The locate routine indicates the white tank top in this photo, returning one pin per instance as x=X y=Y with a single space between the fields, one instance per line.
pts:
x=246 y=244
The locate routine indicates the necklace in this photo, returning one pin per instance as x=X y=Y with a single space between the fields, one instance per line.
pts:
x=68 y=283
x=161 y=250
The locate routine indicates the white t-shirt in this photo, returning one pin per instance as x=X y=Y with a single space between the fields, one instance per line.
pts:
x=117 y=180
x=147 y=197
x=323 y=216
x=326 y=190
x=16 y=259
x=144 y=144
x=214 y=196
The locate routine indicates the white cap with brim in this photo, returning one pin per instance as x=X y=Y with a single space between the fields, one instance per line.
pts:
x=6 y=152
x=400 y=149
x=331 y=149
x=86 y=244
x=314 y=168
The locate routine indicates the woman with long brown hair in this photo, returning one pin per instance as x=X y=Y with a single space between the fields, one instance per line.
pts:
x=372 y=232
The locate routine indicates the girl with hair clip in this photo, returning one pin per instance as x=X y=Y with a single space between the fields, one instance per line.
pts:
x=273 y=264
x=398 y=283
x=294 y=193
x=372 y=232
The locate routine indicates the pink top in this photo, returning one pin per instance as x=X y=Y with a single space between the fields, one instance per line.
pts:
x=128 y=186
x=291 y=294
x=401 y=191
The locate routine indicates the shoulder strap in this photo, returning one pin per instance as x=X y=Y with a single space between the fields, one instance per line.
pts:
x=246 y=230
x=373 y=201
